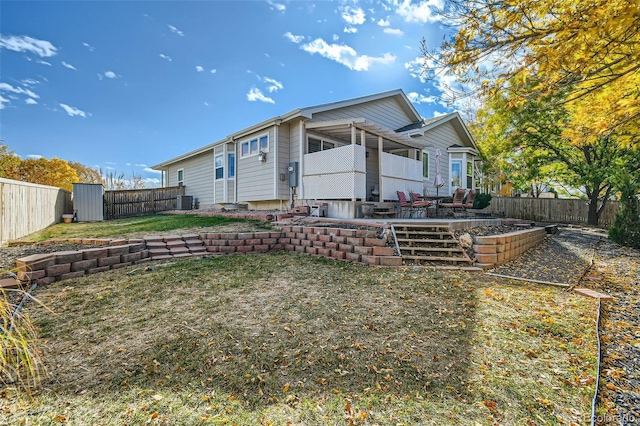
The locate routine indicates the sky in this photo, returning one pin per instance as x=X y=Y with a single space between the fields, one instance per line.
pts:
x=123 y=85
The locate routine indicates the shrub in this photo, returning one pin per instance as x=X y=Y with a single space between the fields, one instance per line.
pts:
x=626 y=226
x=20 y=365
x=482 y=201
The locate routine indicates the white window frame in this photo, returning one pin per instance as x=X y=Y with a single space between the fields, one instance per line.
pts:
x=218 y=164
x=231 y=162
x=425 y=160
x=249 y=144
x=180 y=182
x=323 y=140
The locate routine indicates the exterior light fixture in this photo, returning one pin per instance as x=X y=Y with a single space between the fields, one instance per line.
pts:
x=262 y=156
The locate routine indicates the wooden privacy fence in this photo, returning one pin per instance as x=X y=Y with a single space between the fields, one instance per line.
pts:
x=551 y=210
x=26 y=208
x=137 y=202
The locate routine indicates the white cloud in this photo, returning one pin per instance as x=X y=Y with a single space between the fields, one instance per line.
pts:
x=384 y=22
x=277 y=6
x=346 y=55
x=206 y=103
x=88 y=46
x=294 y=38
x=335 y=37
x=256 y=95
x=175 y=30
x=393 y=31
x=73 y=111
x=31 y=101
x=6 y=87
x=3 y=101
x=150 y=170
x=422 y=11
x=35 y=156
x=152 y=182
x=30 y=82
x=110 y=74
x=350 y=30
x=353 y=15
x=199 y=68
x=41 y=48
x=67 y=65
x=141 y=165
x=417 y=98
x=274 y=85
x=167 y=58
x=213 y=71
x=44 y=63
x=415 y=68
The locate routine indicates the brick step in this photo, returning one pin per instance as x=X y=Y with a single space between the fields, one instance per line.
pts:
x=428 y=240
x=409 y=233
x=437 y=258
x=413 y=250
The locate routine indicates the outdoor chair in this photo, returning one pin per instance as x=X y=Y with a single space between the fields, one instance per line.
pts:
x=471 y=198
x=419 y=203
x=405 y=205
x=458 y=197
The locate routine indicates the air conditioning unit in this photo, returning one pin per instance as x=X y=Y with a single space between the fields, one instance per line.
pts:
x=184 y=202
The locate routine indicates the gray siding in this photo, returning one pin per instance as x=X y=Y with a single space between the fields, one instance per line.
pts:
x=198 y=177
x=256 y=179
x=386 y=112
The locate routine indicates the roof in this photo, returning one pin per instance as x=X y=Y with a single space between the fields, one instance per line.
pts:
x=307 y=112
x=422 y=126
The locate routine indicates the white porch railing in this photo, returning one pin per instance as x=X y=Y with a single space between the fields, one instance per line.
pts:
x=400 y=174
x=338 y=173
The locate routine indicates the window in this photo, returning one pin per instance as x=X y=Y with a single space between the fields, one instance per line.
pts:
x=316 y=145
x=219 y=166
x=469 y=174
x=254 y=146
x=401 y=152
x=425 y=164
x=180 y=177
x=231 y=165
x=456 y=174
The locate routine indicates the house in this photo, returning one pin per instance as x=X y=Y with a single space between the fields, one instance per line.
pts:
x=342 y=154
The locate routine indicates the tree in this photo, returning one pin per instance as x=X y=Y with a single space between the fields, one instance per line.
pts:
x=533 y=134
x=580 y=48
x=626 y=227
x=86 y=174
x=9 y=161
x=54 y=172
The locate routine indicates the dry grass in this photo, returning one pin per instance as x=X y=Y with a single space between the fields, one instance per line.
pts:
x=280 y=337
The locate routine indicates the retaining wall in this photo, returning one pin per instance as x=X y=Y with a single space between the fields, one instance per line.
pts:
x=355 y=245
x=498 y=249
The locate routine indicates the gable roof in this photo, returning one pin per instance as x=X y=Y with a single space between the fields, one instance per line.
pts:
x=306 y=112
x=425 y=124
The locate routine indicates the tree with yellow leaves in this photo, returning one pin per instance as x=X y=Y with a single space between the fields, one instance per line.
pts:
x=53 y=172
x=589 y=50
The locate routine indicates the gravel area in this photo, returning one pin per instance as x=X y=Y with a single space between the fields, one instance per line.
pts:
x=562 y=258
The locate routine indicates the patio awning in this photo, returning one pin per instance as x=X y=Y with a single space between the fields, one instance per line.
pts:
x=341 y=129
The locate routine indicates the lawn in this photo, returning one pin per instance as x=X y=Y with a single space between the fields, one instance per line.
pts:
x=283 y=338
x=147 y=225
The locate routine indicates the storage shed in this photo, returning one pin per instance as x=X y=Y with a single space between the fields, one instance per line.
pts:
x=88 y=202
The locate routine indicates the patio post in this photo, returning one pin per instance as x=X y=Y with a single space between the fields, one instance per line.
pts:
x=380 y=188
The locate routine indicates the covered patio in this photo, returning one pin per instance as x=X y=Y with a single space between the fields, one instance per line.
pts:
x=358 y=161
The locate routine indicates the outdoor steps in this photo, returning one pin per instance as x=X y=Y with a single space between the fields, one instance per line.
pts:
x=423 y=243
x=171 y=246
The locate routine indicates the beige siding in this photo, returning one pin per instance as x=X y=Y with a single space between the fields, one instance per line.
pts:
x=284 y=152
x=386 y=112
x=256 y=179
x=198 y=177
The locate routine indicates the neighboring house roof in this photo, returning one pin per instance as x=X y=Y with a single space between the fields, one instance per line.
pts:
x=307 y=113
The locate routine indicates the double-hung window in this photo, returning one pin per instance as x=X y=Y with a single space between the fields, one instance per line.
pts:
x=219 y=166
x=180 y=177
x=255 y=146
x=425 y=164
x=231 y=166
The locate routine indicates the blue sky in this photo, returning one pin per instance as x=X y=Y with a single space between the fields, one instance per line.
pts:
x=124 y=85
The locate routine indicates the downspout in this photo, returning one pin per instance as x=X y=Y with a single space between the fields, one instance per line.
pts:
x=276 y=182
x=301 y=164
x=235 y=177
x=380 y=188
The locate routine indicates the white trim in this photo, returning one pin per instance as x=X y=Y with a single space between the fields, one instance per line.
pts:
x=303 y=138
x=276 y=182
x=257 y=139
